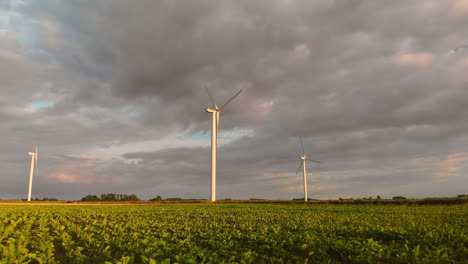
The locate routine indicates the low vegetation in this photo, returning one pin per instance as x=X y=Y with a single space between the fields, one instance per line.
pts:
x=110 y=197
x=233 y=233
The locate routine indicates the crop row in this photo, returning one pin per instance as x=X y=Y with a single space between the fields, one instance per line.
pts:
x=233 y=233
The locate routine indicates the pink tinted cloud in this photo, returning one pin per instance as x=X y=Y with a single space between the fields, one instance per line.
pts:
x=262 y=109
x=82 y=172
x=269 y=175
x=419 y=60
x=64 y=177
x=458 y=8
x=453 y=165
x=67 y=177
x=450 y=167
x=312 y=188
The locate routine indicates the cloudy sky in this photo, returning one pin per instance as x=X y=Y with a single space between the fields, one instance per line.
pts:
x=112 y=92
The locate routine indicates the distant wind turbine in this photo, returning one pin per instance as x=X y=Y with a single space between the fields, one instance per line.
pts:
x=31 y=174
x=214 y=138
x=303 y=164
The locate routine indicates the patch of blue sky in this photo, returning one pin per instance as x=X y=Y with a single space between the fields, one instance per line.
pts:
x=25 y=30
x=13 y=3
x=238 y=133
x=41 y=105
x=131 y=112
x=21 y=26
x=205 y=136
x=44 y=57
x=9 y=5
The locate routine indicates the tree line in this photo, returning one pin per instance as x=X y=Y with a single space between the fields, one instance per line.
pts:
x=123 y=197
x=43 y=199
x=460 y=199
x=110 y=197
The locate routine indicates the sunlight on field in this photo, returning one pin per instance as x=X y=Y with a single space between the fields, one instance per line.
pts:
x=233 y=233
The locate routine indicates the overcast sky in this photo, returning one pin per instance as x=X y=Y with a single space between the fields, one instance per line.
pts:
x=112 y=93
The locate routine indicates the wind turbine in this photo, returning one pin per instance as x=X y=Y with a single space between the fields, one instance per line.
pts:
x=303 y=164
x=31 y=174
x=214 y=138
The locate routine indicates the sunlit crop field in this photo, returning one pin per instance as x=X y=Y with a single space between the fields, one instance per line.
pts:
x=233 y=233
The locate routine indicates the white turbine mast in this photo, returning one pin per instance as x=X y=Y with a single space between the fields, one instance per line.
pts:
x=214 y=138
x=303 y=165
x=31 y=174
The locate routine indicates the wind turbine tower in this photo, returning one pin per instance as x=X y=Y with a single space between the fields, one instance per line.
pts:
x=214 y=139
x=31 y=174
x=304 y=158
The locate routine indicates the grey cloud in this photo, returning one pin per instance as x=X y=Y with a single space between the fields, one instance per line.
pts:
x=368 y=85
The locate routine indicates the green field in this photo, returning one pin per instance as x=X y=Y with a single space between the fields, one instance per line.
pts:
x=233 y=233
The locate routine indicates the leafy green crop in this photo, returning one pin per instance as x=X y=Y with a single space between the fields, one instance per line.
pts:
x=233 y=233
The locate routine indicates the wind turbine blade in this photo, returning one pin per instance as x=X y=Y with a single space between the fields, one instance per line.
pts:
x=211 y=98
x=228 y=101
x=302 y=146
x=217 y=122
x=35 y=157
x=300 y=166
x=314 y=161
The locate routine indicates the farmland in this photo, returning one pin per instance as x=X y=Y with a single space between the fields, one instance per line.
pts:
x=233 y=233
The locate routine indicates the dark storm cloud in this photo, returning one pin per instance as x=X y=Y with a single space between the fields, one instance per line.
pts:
x=372 y=88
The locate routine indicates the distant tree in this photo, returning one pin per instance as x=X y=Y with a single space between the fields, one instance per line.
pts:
x=49 y=199
x=109 y=197
x=173 y=199
x=133 y=197
x=378 y=197
x=157 y=198
x=90 y=198
x=398 y=198
x=341 y=199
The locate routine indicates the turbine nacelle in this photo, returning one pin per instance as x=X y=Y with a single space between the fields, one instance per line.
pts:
x=210 y=110
x=304 y=158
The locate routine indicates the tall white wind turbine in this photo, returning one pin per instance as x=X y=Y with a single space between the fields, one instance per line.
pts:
x=214 y=139
x=303 y=164
x=31 y=174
